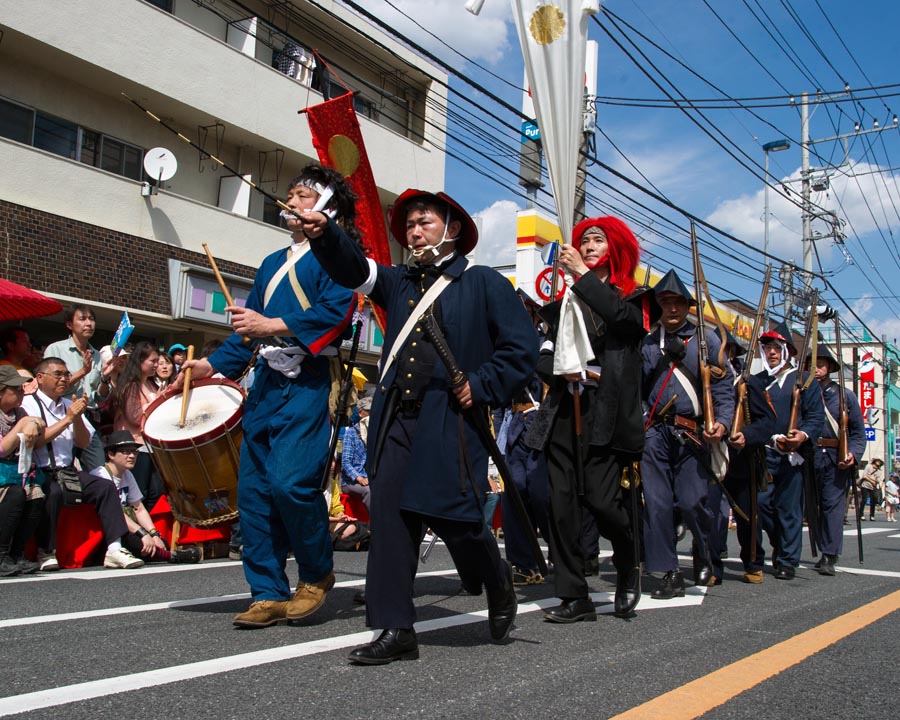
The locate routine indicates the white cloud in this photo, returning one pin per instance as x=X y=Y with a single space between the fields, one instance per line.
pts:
x=889 y=327
x=484 y=37
x=854 y=199
x=497 y=234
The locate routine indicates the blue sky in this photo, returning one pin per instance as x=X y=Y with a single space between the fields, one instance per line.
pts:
x=800 y=47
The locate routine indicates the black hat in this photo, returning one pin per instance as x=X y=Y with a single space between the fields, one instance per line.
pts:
x=781 y=332
x=528 y=301
x=671 y=283
x=120 y=438
x=823 y=353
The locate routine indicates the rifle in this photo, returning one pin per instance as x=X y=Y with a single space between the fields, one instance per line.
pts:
x=340 y=413
x=479 y=421
x=709 y=418
x=844 y=435
x=810 y=341
x=742 y=409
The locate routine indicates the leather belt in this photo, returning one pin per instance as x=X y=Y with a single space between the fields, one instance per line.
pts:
x=827 y=442
x=680 y=422
x=522 y=407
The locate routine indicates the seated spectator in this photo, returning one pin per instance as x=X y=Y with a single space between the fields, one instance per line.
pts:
x=142 y=539
x=21 y=496
x=135 y=391
x=83 y=361
x=165 y=371
x=354 y=479
x=16 y=346
x=178 y=353
x=64 y=429
x=347 y=533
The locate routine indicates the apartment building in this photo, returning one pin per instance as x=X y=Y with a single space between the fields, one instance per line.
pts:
x=80 y=219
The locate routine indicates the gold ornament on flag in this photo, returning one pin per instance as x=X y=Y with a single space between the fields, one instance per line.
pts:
x=344 y=154
x=547 y=24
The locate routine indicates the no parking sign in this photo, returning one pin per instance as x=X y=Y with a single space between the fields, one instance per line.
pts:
x=543 y=284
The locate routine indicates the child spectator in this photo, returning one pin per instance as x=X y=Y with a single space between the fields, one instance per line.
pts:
x=178 y=353
x=891 y=496
x=142 y=538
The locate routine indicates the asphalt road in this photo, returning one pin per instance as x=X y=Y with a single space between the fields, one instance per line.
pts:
x=158 y=643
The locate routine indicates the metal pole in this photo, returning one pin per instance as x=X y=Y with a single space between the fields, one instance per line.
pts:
x=766 y=231
x=807 y=205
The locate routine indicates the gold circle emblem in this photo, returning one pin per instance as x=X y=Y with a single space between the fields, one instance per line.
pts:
x=547 y=24
x=344 y=154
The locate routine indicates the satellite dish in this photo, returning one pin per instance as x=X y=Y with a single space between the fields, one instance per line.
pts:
x=160 y=164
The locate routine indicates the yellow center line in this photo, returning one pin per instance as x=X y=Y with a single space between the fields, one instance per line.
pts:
x=703 y=694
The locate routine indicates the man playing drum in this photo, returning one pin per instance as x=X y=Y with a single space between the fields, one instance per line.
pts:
x=298 y=316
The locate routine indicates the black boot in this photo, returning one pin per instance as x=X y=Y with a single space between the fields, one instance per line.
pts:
x=394 y=644
x=628 y=592
x=26 y=567
x=826 y=565
x=191 y=554
x=572 y=610
x=672 y=586
x=502 y=606
x=592 y=566
x=8 y=566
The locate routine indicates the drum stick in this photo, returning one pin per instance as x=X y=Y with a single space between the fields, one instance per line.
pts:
x=187 y=387
x=222 y=285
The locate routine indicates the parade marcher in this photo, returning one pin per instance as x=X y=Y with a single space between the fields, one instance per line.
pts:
x=598 y=326
x=528 y=468
x=299 y=317
x=676 y=467
x=833 y=474
x=781 y=505
x=427 y=464
x=746 y=449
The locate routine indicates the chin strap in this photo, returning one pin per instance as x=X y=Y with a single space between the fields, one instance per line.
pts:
x=434 y=249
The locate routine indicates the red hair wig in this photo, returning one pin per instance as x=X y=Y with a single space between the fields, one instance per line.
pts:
x=623 y=251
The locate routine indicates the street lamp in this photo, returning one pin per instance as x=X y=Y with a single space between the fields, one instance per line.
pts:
x=774 y=146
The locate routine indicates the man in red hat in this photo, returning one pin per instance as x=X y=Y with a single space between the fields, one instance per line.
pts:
x=599 y=392
x=427 y=465
x=781 y=505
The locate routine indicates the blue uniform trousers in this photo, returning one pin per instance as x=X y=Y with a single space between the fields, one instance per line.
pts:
x=833 y=483
x=781 y=513
x=529 y=472
x=737 y=483
x=282 y=462
x=672 y=477
x=397 y=534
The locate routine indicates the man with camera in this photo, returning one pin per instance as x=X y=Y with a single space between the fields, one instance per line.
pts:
x=66 y=429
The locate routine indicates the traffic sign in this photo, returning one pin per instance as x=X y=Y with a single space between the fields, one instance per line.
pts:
x=542 y=286
x=870 y=434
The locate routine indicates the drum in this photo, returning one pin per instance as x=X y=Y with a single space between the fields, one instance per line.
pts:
x=198 y=462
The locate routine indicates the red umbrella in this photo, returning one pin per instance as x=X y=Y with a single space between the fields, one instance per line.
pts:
x=17 y=302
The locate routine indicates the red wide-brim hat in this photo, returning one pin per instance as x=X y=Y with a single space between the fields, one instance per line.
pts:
x=468 y=234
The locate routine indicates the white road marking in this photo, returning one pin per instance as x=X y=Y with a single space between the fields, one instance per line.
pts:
x=170 y=605
x=154 y=678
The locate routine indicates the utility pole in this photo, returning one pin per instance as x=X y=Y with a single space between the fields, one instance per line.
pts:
x=806 y=210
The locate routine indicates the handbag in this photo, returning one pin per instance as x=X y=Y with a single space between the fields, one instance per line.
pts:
x=66 y=477
x=70 y=484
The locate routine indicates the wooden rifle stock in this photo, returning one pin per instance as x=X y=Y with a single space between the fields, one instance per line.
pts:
x=844 y=420
x=741 y=410
x=742 y=407
x=709 y=413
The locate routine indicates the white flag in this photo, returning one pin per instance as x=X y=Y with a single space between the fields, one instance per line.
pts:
x=554 y=41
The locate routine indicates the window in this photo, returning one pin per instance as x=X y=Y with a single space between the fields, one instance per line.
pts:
x=271 y=212
x=162 y=4
x=65 y=138
x=16 y=122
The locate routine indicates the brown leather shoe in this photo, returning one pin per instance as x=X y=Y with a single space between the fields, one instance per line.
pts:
x=262 y=613
x=754 y=576
x=309 y=597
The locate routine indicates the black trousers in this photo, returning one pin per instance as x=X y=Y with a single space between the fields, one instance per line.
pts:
x=97 y=491
x=397 y=534
x=148 y=480
x=19 y=519
x=603 y=498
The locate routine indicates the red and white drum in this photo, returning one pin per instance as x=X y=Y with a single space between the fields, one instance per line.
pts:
x=198 y=462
